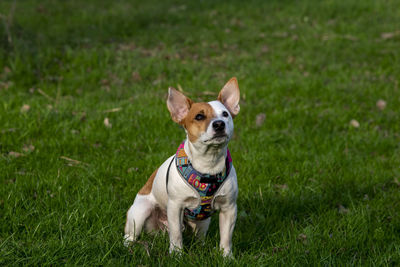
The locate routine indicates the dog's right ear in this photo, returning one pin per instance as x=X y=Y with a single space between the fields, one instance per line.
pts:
x=178 y=105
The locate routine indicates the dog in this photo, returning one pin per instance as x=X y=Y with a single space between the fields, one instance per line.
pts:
x=196 y=181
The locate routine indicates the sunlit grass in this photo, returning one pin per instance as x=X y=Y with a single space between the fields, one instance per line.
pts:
x=315 y=189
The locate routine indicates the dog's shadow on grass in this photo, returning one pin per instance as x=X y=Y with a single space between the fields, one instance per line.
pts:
x=264 y=218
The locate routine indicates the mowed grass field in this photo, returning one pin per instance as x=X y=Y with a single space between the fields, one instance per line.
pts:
x=83 y=123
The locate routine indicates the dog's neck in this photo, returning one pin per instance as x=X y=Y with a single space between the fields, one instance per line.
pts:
x=206 y=159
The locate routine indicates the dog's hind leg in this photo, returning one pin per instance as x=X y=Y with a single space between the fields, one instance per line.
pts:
x=136 y=217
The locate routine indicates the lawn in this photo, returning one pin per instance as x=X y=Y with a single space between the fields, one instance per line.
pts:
x=83 y=123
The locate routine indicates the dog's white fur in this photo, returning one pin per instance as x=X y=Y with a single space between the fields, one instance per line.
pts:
x=164 y=209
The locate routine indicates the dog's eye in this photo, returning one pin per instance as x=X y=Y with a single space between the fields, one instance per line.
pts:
x=225 y=114
x=199 y=117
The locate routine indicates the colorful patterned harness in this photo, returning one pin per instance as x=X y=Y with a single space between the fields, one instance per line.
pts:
x=206 y=185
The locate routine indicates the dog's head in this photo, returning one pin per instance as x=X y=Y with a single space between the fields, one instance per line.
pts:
x=206 y=123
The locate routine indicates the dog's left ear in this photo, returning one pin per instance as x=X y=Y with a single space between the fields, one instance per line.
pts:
x=230 y=96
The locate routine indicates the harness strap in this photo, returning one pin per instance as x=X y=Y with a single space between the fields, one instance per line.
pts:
x=169 y=167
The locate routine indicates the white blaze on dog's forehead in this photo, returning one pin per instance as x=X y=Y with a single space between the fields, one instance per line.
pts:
x=218 y=107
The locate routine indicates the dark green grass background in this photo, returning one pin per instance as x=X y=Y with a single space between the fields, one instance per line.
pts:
x=313 y=189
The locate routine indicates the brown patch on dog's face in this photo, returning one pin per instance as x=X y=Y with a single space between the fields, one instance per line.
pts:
x=197 y=120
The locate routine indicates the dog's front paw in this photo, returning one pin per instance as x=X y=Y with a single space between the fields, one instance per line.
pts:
x=174 y=250
x=227 y=253
x=128 y=240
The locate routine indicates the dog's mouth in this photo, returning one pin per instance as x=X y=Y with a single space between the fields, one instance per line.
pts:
x=220 y=137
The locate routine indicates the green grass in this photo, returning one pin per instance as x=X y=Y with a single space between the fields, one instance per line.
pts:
x=313 y=189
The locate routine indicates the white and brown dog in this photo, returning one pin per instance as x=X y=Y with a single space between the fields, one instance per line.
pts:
x=202 y=178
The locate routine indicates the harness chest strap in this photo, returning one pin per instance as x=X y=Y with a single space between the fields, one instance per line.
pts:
x=206 y=185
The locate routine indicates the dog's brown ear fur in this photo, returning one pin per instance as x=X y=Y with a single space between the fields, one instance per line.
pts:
x=178 y=105
x=230 y=96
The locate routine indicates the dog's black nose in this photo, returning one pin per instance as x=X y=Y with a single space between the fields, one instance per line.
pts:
x=218 y=126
